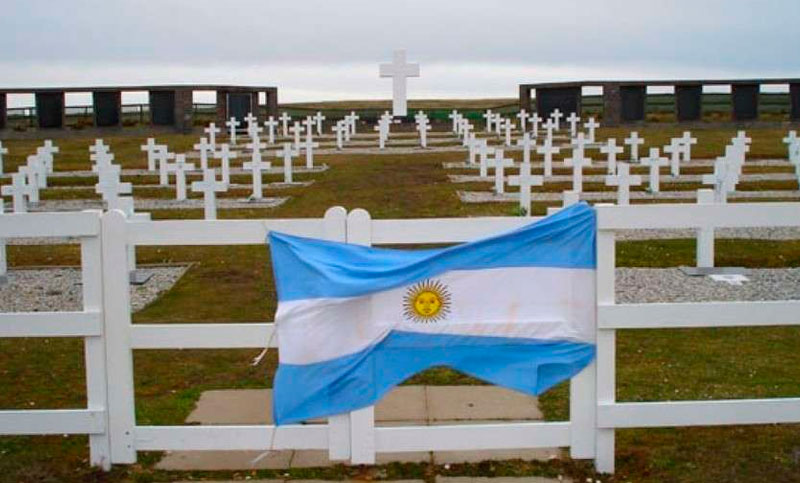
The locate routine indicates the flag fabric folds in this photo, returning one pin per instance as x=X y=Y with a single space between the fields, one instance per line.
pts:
x=516 y=310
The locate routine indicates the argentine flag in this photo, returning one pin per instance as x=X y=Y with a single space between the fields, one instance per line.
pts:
x=516 y=310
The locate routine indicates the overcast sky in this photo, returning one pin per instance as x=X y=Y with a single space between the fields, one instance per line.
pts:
x=323 y=50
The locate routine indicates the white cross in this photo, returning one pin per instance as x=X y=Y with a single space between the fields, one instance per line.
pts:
x=578 y=161
x=499 y=163
x=549 y=126
x=271 y=124
x=212 y=131
x=209 y=187
x=46 y=157
x=318 y=118
x=287 y=153
x=232 y=125
x=724 y=179
x=623 y=180
x=508 y=125
x=255 y=150
x=2 y=152
x=579 y=143
x=204 y=147
x=296 y=129
x=535 y=120
x=399 y=71
x=454 y=116
x=483 y=155
x=423 y=126
x=526 y=143
x=790 y=140
x=48 y=145
x=284 y=119
x=352 y=123
x=498 y=124
x=18 y=190
x=654 y=161
x=592 y=125
x=102 y=160
x=225 y=155
x=466 y=127
x=339 y=129
x=547 y=149
x=349 y=123
x=97 y=148
x=686 y=143
x=525 y=180
x=151 y=147
x=252 y=124
x=522 y=115
x=611 y=149
x=256 y=165
x=180 y=167
x=309 y=146
x=556 y=116
x=309 y=124
x=109 y=187
x=383 y=131
x=38 y=166
x=634 y=141
x=30 y=177
x=473 y=149
x=489 y=116
x=675 y=149
x=161 y=157
x=573 y=120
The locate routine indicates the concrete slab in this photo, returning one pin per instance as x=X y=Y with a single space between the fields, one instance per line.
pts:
x=224 y=460
x=480 y=403
x=454 y=457
x=240 y=406
x=319 y=458
x=502 y=479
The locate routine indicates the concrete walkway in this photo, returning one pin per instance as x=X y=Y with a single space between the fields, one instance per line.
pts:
x=406 y=405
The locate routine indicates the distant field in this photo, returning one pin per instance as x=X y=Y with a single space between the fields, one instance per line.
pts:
x=412 y=104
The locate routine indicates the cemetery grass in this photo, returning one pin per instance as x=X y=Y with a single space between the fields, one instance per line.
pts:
x=235 y=284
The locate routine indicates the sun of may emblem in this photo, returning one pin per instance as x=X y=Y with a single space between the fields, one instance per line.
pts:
x=427 y=301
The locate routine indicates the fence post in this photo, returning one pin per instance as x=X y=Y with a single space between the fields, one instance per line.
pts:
x=606 y=348
x=338 y=425
x=94 y=347
x=117 y=325
x=582 y=413
x=362 y=421
x=705 y=235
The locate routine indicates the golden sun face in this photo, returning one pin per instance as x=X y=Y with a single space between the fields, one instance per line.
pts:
x=427 y=301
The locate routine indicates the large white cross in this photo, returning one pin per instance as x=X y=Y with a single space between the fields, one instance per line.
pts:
x=309 y=146
x=151 y=147
x=399 y=71
x=204 y=147
x=318 y=118
x=573 y=120
x=547 y=149
x=225 y=155
x=634 y=141
x=623 y=180
x=578 y=161
x=212 y=131
x=209 y=187
x=525 y=180
x=180 y=167
x=271 y=124
x=18 y=190
x=611 y=149
x=232 y=124
x=675 y=149
x=591 y=126
x=654 y=161
x=499 y=163
x=284 y=119
x=287 y=153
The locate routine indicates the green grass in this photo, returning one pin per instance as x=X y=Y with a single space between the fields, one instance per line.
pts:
x=235 y=283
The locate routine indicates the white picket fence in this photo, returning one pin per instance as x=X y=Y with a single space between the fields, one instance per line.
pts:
x=105 y=323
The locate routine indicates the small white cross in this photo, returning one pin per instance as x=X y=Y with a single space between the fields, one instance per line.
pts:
x=634 y=141
x=526 y=143
x=623 y=180
x=18 y=190
x=161 y=157
x=556 y=116
x=549 y=126
x=286 y=153
x=547 y=149
x=473 y=149
x=30 y=177
x=724 y=179
x=309 y=124
x=39 y=167
x=654 y=161
x=2 y=152
x=578 y=161
x=109 y=187
x=232 y=124
x=483 y=155
x=423 y=126
x=296 y=129
x=225 y=155
x=454 y=116
x=675 y=149
x=611 y=149
x=498 y=124
x=339 y=129
x=102 y=160
x=151 y=147
x=271 y=124
x=309 y=146
x=204 y=147
x=525 y=180
x=255 y=150
x=508 y=126
x=686 y=143
x=522 y=115
x=466 y=127
x=592 y=125
x=212 y=131
x=209 y=187
x=318 y=118
x=353 y=120
x=489 y=116
x=180 y=167
x=535 y=120
x=499 y=163
x=573 y=120
x=579 y=143
x=284 y=119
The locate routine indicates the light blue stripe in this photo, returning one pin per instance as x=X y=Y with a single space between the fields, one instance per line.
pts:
x=304 y=392
x=309 y=268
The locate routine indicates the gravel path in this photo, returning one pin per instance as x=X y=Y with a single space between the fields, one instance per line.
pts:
x=59 y=289
x=652 y=285
x=611 y=196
